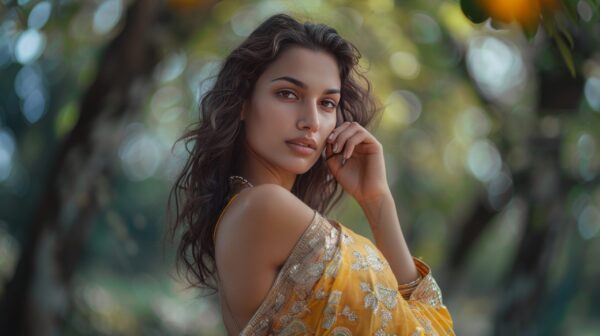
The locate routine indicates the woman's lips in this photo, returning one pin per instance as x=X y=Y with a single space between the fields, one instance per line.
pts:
x=300 y=149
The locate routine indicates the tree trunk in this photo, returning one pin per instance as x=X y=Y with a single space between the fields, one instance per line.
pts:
x=37 y=296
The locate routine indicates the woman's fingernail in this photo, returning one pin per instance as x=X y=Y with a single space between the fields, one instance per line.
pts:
x=343 y=161
x=330 y=136
x=335 y=148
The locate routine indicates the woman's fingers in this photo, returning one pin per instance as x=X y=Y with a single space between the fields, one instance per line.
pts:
x=329 y=155
x=344 y=135
x=336 y=132
x=356 y=139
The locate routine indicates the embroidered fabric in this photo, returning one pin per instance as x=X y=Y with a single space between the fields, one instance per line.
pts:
x=337 y=282
x=301 y=270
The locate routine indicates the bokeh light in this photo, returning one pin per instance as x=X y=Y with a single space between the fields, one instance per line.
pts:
x=405 y=65
x=107 y=16
x=425 y=29
x=497 y=67
x=586 y=149
x=140 y=153
x=592 y=92
x=403 y=107
x=484 y=160
x=585 y=11
x=172 y=67
x=39 y=15
x=7 y=151
x=29 y=86
x=588 y=222
x=30 y=46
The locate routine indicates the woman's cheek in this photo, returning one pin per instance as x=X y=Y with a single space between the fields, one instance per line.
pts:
x=283 y=113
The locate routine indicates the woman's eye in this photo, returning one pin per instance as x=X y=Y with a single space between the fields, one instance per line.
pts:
x=329 y=103
x=286 y=94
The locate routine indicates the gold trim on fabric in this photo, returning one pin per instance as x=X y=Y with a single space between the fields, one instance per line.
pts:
x=301 y=270
x=428 y=291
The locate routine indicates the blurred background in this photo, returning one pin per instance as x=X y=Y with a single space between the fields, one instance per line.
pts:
x=490 y=131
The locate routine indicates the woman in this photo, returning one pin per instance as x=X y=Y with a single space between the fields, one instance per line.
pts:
x=282 y=128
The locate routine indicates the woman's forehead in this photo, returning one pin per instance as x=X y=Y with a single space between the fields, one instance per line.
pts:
x=312 y=68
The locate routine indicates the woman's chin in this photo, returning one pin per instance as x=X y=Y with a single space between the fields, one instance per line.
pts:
x=301 y=166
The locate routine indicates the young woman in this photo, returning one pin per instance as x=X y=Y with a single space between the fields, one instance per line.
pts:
x=282 y=128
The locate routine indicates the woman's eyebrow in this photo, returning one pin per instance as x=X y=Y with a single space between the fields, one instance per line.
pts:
x=302 y=85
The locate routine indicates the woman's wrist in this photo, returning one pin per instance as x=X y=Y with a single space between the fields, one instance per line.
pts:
x=374 y=200
x=372 y=207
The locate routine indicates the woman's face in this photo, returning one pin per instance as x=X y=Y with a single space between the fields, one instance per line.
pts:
x=295 y=97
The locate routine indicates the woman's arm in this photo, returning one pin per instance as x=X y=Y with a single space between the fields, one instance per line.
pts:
x=361 y=172
x=360 y=169
x=383 y=220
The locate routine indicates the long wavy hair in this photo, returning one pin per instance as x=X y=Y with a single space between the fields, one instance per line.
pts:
x=215 y=141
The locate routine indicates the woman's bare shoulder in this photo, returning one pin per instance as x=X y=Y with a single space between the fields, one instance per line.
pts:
x=257 y=234
x=267 y=219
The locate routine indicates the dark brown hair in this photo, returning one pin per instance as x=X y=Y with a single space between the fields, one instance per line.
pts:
x=215 y=141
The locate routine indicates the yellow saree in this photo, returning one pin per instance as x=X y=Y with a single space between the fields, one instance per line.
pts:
x=336 y=282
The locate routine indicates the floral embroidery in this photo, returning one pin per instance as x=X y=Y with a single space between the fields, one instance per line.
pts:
x=315 y=292
x=387 y=296
x=333 y=268
x=320 y=294
x=330 y=314
x=298 y=307
x=386 y=316
x=381 y=332
x=279 y=301
x=425 y=322
x=346 y=239
x=293 y=285
x=296 y=327
x=371 y=260
x=341 y=331
x=335 y=297
x=349 y=314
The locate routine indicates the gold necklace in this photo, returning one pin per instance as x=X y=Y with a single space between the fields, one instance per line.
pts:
x=239 y=179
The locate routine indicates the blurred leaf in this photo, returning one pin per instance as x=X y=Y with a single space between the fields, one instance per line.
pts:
x=565 y=52
x=530 y=32
x=473 y=10
x=550 y=25
x=570 y=9
x=66 y=119
x=531 y=29
x=562 y=28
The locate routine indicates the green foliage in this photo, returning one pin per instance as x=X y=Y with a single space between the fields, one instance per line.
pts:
x=554 y=20
x=474 y=11
x=557 y=31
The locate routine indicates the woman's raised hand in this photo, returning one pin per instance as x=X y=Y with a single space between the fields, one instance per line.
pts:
x=355 y=158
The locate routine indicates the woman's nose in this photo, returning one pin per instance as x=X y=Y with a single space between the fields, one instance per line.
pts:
x=310 y=116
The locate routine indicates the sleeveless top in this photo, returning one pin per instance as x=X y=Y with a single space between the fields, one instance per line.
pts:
x=337 y=282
